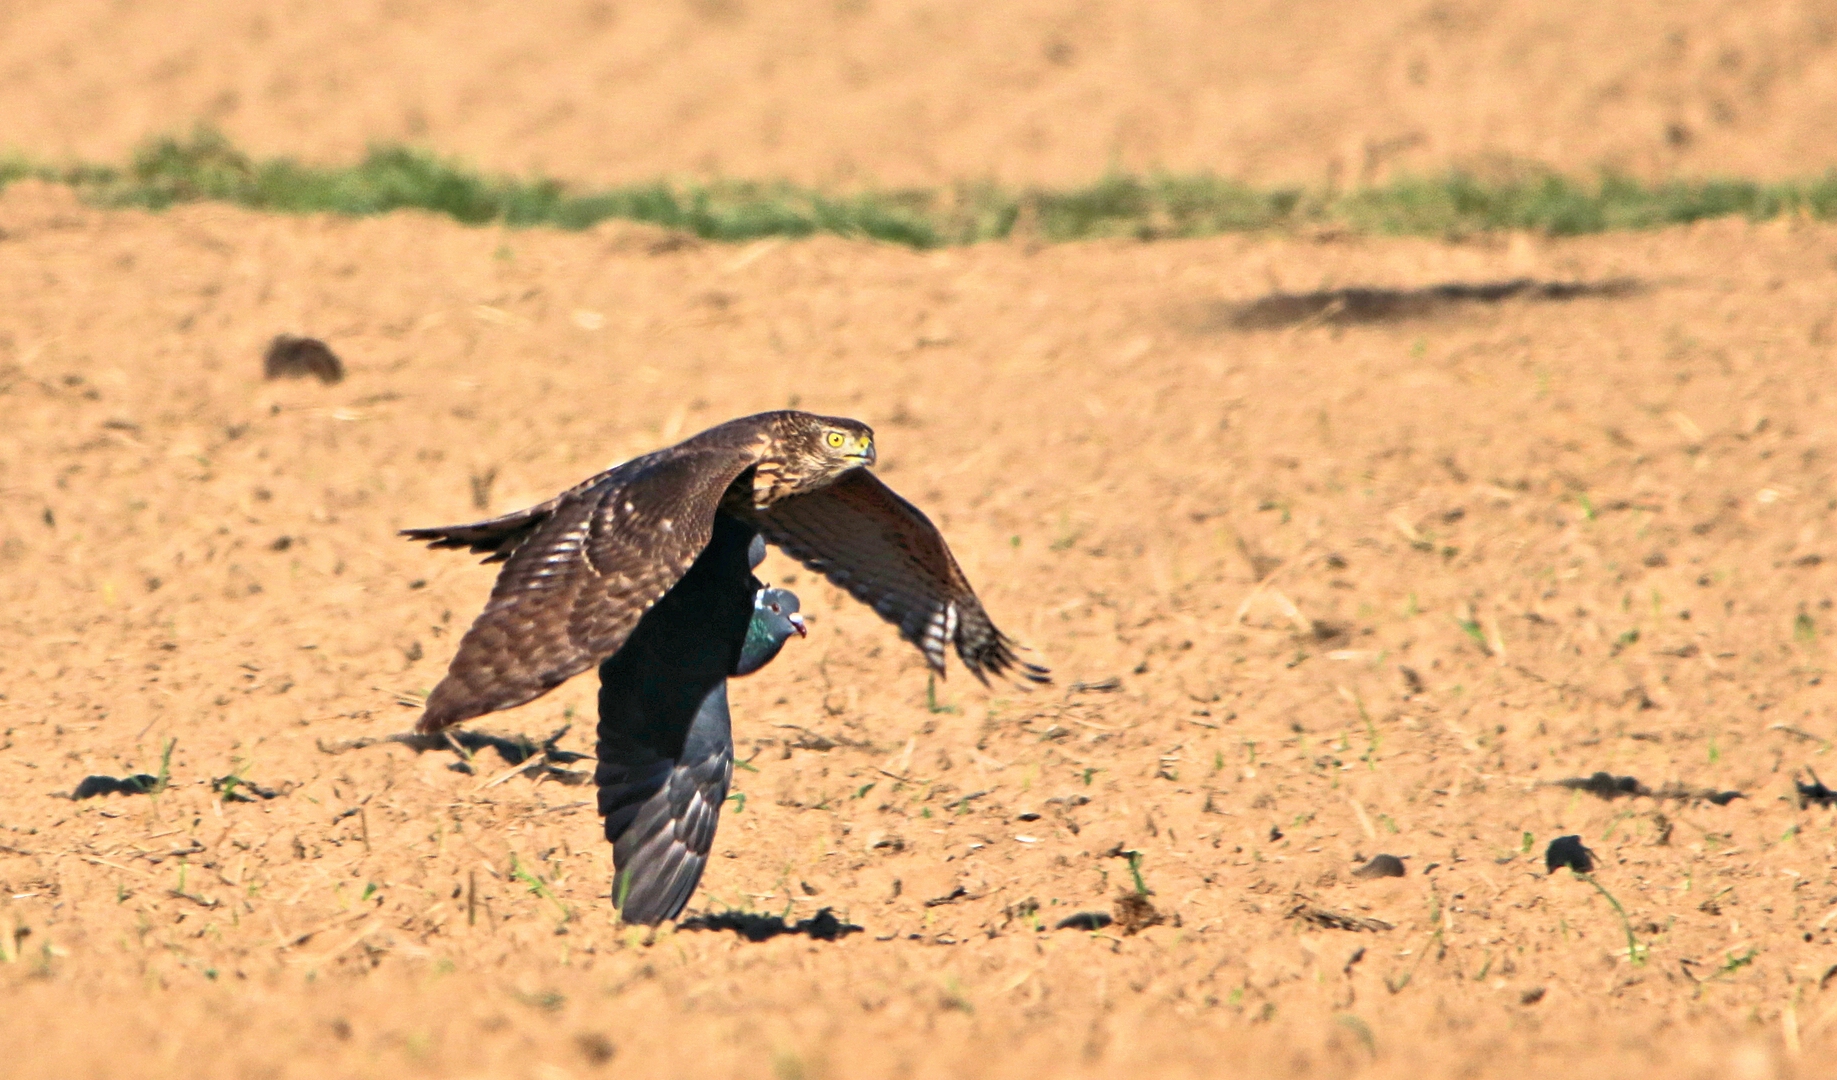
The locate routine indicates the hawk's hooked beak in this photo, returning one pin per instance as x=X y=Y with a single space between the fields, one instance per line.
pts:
x=863 y=452
x=797 y=623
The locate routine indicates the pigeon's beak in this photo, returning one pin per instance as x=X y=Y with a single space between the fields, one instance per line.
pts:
x=797 y=623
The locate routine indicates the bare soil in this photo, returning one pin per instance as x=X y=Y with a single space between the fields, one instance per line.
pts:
x=1312 y=593
x=1338 y=548
x=939 y=91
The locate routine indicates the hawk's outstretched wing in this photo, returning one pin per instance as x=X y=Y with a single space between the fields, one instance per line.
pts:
x=579 y=571
x=499 y=537
x=861 y=535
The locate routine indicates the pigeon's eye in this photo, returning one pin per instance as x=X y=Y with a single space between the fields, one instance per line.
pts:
x=835 y=439
x=775 y=608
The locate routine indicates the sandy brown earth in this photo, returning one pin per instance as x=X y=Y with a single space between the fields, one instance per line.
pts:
x=938 y=91
x=1320 y=579
x=1312 y=593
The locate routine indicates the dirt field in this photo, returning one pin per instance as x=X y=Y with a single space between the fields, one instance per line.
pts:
x=1623 y=498
x=1320 y=577
x=930 y=92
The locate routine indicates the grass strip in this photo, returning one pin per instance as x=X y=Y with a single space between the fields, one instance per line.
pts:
x=205 y=166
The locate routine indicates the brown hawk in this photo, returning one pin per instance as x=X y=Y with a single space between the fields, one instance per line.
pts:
x=581 y=569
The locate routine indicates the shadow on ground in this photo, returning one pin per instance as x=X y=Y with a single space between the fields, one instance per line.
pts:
x=1359 y=306
x=823 y=926
x=514 y=749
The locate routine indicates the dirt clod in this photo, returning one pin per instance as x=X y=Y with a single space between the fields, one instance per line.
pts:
x=1381 y=866
x=1815 y=792
x=1085 y=920
x=1134 y=912
x=1568 y=851
x=91 y=786
x=595 y=1047
x=290 y=357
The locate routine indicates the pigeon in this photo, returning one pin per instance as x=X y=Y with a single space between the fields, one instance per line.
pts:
x=666 y=748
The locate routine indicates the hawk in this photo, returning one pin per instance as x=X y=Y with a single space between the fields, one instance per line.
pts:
x=582 y=569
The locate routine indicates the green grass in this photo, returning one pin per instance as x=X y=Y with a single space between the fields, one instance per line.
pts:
x=1135 y=871
x=1636 y=952
x=206 y=167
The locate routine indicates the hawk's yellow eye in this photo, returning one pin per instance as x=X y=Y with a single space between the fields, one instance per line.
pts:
x=835 y=439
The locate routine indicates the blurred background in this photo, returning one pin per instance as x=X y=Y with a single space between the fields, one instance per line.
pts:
x=924 y=92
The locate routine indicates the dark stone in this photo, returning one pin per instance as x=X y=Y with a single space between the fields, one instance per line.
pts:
x=138 y=784
x=290 y=357
x=1085 y=920
x=1381 y=866
x=1815 y=792
x=1568 y=851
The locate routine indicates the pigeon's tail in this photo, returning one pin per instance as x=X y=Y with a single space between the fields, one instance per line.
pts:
x=660 y=816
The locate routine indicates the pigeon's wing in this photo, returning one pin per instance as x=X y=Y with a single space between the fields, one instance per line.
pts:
x=579 y=571
x=661 y=813
x=861 y=535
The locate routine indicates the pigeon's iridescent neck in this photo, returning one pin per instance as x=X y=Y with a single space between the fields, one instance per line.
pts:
x=775 y=621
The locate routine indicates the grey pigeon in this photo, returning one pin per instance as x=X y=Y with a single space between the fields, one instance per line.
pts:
x=666 y=746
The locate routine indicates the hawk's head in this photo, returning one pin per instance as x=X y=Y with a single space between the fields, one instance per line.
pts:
x=810 y=452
